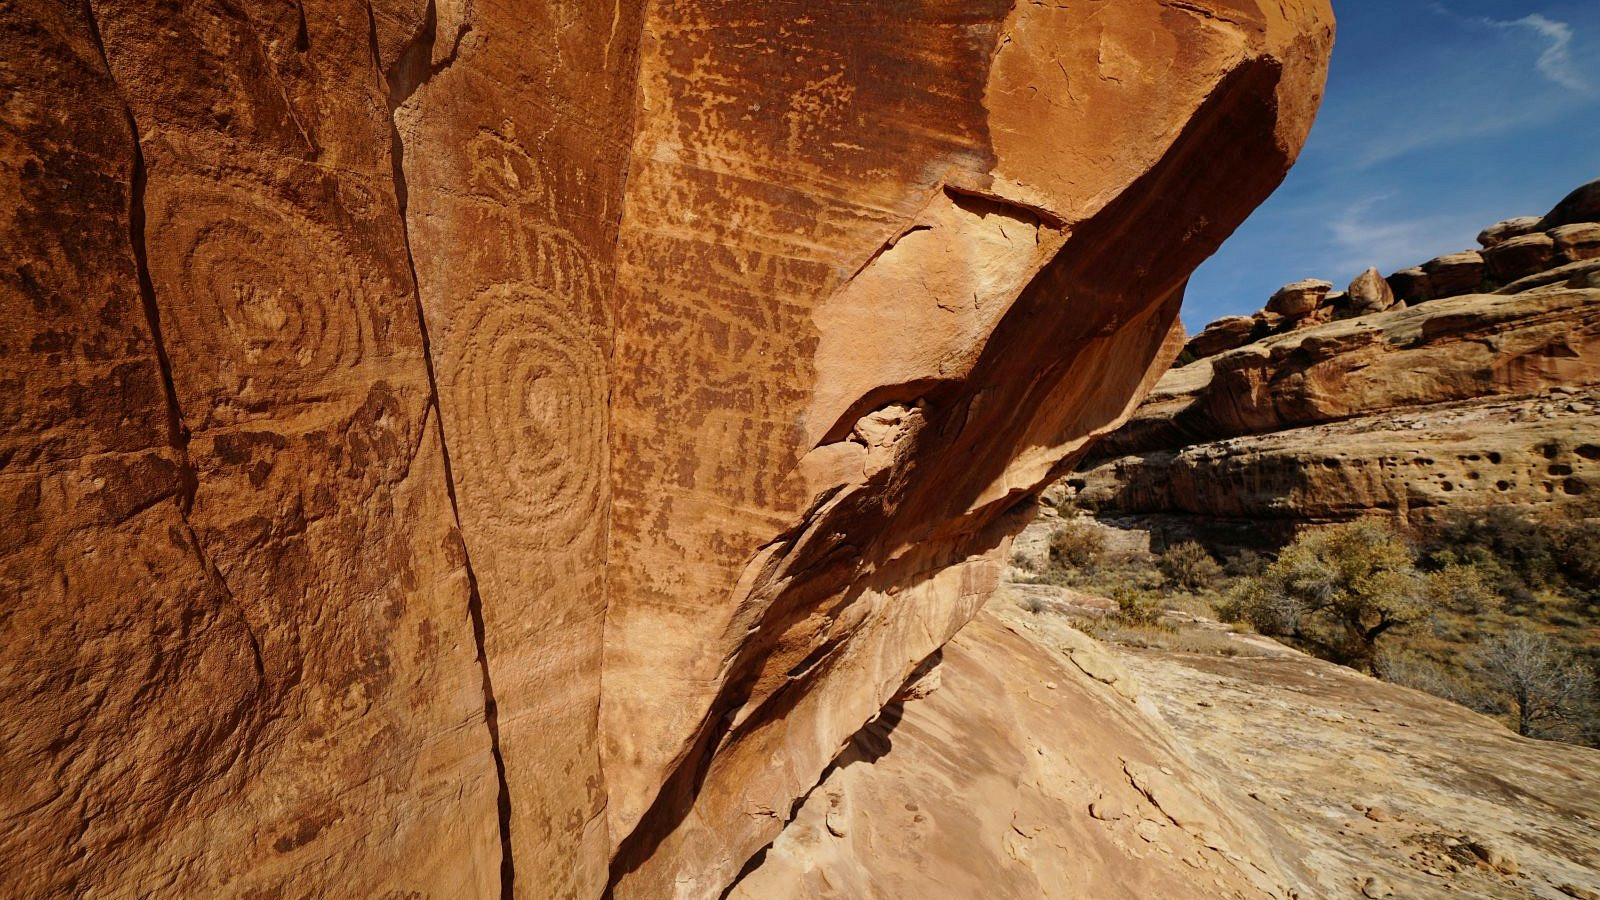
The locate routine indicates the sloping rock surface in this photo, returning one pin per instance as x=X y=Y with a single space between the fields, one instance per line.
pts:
x=1382 y=790
x=984 y=789
x=1261 y=773
x=457 y=449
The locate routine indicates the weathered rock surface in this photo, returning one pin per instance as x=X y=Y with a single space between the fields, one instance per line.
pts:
x=1519 y=257
x=457 y=449
x=1464 y=806
x=1577 y=242
x=1455 y=273
x=983 y=790
x=1411 y=285
x=1582 y=205
x=1463 y=348
x=1467 y=400
x=1370 y=293
x=1416 y=464
x=1299 y=299
x=1500 y=232
x=1254 y=774
x=1223 y=334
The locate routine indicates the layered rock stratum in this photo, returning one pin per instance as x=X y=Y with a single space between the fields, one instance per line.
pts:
x=455 y=449
x=1465 y=396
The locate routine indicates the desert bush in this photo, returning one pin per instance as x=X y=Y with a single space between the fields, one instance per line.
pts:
x=1077 y=505
x=1461 y=589
x=1136 y=606
x=1189 y=566
x=1336 y=591
x=1077 y=544
x=1031 y=603
x=1513 y=548
x=1577 y=543
x=1162 y=637
x=1414 y=671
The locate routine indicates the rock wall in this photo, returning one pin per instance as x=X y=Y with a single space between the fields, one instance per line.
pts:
x=453 y=449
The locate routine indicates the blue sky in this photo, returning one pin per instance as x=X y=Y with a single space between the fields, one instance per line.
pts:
x=1441 y=117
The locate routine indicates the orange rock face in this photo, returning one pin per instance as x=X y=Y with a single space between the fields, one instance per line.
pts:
x=455 y=449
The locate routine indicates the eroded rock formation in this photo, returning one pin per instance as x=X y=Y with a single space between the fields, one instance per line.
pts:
x=456 y=448
x=1479 y=398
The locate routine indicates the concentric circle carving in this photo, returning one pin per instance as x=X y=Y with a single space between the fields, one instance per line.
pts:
x=257 y=289
x=526 y=388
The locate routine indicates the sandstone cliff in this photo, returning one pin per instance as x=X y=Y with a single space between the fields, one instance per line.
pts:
x=457 y=449
x=1483 y=397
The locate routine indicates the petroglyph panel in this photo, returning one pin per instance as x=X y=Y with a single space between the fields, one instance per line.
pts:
x=251 y=663
x=456 y=448
x=514 y=196
x=872 y=348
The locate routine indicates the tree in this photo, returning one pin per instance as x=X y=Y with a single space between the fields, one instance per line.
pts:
x=1337 y=591
x=1550 y=692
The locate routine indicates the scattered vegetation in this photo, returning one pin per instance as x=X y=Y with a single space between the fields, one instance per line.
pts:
x=1336 y=592
x=1115 y=630
x=1551 y=694
x=1496 y=609
x=1137 y=606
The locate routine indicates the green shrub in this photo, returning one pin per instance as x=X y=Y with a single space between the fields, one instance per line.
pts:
x=1461 y=589
x=1245 y=564
x=1578 y=552
x=1189 y=566
x=1511 y=546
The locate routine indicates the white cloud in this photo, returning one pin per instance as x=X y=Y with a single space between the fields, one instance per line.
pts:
x=1456 y=109
x=1556 y=61
x=1363 y=236
x=1380 y=146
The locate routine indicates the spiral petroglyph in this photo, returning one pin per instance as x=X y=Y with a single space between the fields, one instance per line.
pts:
x=526 y=389
x=256 y=290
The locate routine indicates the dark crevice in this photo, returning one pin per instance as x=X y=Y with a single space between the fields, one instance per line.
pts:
x=177 y=430
x=613 y=326
x=178 y=433
x=870 y=743
x=302 y=34
x=411 y=70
